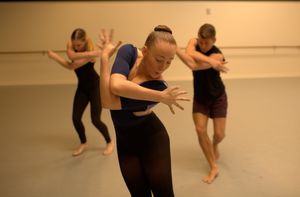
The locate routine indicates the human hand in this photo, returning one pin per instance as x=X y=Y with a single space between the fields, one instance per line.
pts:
x=51 y=54
x=171 y=95
x=218 y=65
x=105 y=44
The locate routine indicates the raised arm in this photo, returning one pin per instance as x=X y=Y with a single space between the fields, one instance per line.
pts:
x=107 y=48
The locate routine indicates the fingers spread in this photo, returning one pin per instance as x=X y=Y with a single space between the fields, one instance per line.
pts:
x=181 y=92
x=171 y=108
x=182 y=99
x=111 y=34
x=174 y=88
x=118 y=44
x=179 y=106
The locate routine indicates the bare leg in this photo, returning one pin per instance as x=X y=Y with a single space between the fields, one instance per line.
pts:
x=219 y=134
x=79 y=150
x=206 y=145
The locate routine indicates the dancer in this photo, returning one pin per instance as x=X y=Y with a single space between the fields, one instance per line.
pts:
x=133 y=88
x=81 y=52
x=210 y=98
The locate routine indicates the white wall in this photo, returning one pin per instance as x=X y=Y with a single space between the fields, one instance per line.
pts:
x=27 y=26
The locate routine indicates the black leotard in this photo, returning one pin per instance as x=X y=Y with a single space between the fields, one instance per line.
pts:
x=142 y=141
x=88 y=91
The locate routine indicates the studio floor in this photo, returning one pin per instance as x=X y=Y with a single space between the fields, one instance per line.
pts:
x=259 y=156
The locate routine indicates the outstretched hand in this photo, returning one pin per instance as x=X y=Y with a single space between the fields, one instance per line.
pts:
x=171 y=95
x=105 y=44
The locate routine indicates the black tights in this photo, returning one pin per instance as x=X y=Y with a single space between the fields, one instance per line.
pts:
x=145 y=159
x=81 y=100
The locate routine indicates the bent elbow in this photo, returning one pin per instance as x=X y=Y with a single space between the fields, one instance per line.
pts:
x=115 y=88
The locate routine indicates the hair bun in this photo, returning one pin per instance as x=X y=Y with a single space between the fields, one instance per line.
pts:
x=163 y=28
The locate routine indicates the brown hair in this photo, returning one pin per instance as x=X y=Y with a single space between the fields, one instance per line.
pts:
x=160 y=32
x=207 y=31
x=80 y=34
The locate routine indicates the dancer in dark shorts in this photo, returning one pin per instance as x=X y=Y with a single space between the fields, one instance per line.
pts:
x=210 y=98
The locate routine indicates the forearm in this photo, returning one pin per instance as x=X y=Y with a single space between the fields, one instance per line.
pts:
x=67 y=64
x=190 y=62
x=129 y=89
x=60 y=60
x=108 y=99
x=80 y=55
x=199 y=57
x=214 y=61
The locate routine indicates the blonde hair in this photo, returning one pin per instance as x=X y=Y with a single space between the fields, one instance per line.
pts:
x=80 y=34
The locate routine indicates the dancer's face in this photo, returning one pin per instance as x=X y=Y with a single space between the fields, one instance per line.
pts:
x=206 y=44
x=158 y=58
x=79 y=45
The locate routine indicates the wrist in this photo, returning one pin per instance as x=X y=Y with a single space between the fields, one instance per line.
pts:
x=211 y=63
x=88 y=54
x=104 y=56
x=160 y=97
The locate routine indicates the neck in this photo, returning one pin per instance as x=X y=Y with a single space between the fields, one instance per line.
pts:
x=141 y=70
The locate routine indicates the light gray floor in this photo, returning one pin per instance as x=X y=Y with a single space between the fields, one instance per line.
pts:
x=259 y=156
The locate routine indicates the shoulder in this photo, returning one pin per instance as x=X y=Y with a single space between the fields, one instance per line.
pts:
x=215 y=49
x=127 y=52
x=125 y=59
x=69 y=45
x=216 y=53
x=127 y=48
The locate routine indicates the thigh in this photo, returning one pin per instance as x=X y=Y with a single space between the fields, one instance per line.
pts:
x=80 y=102
x=219 y=126
x=133 y=173
x=200 y=107
x=200 y=121
x=156 y=157
x=218 y=108
x=95 y=102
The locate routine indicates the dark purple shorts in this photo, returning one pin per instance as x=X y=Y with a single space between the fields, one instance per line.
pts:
x=213 y=109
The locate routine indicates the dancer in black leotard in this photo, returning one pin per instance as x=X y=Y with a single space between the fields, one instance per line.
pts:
x=134 y=87
x=80 y=51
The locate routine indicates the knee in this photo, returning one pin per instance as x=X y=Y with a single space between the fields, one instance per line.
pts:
x=218 y=137
x=97 y=122
x=201 y=131
x=76 y=119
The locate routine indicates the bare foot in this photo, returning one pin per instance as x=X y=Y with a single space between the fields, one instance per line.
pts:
x=79 y=150
x=213 y=174
x=109 y=148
